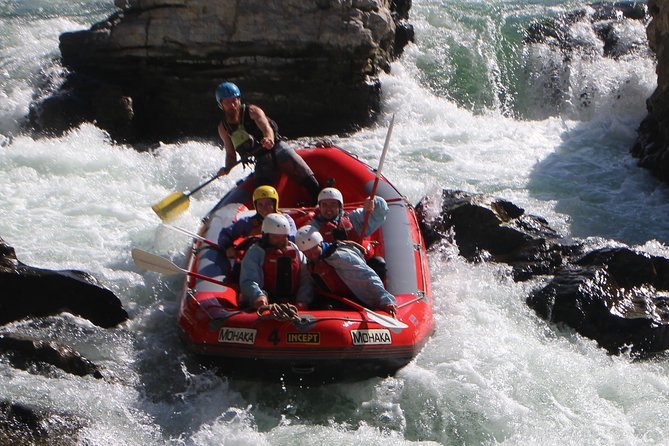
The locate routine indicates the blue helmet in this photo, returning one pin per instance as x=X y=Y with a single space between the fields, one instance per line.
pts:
x=227 y=90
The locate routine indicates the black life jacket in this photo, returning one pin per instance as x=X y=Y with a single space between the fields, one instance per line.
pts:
x=246 y=136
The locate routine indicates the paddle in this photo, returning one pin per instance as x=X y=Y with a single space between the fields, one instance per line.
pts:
x=381 y=319
x=161 y=265
x=192 y=234
x=177 y=202
x=378 y=174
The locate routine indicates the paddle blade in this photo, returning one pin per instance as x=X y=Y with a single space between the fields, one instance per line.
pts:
x=386 y=321
x=171 y=206
x=155 y=263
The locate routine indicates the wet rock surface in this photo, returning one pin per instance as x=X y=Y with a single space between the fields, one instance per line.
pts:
x=652 y=144
x=29 y=291
x=25 y=352
x=22 y=424
x=615 y=295
x=489 y=228
x=604 y=20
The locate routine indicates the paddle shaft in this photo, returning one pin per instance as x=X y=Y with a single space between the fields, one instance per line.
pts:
x=159 y=264
x=192 y=234
x=378 y=175
x=188 y=194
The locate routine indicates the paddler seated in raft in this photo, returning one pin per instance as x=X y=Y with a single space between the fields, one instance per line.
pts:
x=265 y=201
x=247 y=131
x=340 y=268
x=274 y=270
x=335 y=224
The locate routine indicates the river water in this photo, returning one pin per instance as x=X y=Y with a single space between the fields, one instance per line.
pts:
x=475 y=110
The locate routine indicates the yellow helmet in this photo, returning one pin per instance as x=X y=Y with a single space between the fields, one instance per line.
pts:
x=266 y=192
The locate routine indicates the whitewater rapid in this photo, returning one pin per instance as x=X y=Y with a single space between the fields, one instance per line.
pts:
x=493 y=372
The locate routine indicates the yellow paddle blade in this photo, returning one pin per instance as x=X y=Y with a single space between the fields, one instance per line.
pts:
x=171 y=206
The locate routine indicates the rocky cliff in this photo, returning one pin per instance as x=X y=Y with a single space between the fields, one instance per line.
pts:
x=652 y=146
x=149 y=71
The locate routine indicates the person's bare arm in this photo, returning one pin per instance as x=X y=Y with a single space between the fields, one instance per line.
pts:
x=230 y=154
x=262 y=122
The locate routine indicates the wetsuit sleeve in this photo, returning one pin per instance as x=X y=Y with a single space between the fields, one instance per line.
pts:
x=376 y=218
x=251 y=277
x=360 y=278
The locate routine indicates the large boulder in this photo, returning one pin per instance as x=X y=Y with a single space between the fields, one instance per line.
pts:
x=490 y=228
x=313 y=65
x=615 y=296
x=29 y=291
x=652 y=145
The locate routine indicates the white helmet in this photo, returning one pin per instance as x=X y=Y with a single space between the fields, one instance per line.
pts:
x=307 y=237
x=330 y=193
x=275 y=224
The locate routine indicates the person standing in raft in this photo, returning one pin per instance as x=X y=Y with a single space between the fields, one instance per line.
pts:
x=340 y=268
x=246 y=131
x=274 y=270
x=334 y=224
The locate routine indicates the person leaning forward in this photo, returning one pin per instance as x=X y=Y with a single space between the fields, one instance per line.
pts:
x=340 y=268
x=273 y=270
x=246 y=131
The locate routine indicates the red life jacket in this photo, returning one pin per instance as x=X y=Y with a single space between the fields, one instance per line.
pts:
x=281 y=271
x=341 y=231
x=327 y=278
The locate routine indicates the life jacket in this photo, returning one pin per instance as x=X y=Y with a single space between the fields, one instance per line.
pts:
x=339 y=229
x=281 y=272
x=246 y=136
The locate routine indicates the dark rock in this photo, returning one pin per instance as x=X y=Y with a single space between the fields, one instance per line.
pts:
x=312 y=66
x=24 y=350
x=81 y=99
x=489 y=228
x=28 y=291
x=615 y=296
x=602 y=17
x=652 y=144
x=23 y=424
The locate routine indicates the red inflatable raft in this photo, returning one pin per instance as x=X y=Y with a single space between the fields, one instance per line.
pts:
x=342 y=343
